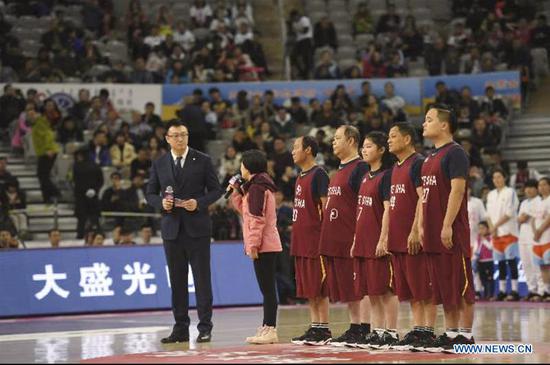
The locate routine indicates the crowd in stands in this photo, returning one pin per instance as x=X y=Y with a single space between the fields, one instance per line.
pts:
x=86 y=41
x=483 y=36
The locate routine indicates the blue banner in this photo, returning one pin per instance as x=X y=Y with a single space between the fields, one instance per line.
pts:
x=408 y=88
x=506 y=83
x=70 y=280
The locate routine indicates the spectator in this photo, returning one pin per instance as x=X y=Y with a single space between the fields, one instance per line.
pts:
x=92 y=17
x=341 y=102
x=140 y=75
x=373 y=64
x=324 y=34
x=96 y=115
x=88 y=180
x=297 y=111
x=367 y=100
x=466 y=100
x=126 y=237
x=6 y=178
x=139 y=129
x=7 y=241
x=282 y=124
x=413 y=44
x=540 y=35
x=80 y=109
x=523 y=174
x=156 y=147
x=122 y=153
x=54 y=236
x=470 y=63
x=243 y=34
x=445 y=96
x=302 y=53
x=113 y=198
x=452 y=61
x=362 y=20
x=395 y=67
x=481 y=135
x=472 y=151
x=327 y=69
x=201 y=14
x=230 y=164
x=281 y=157
x=392 y=101
x=142 y=163
x=145 y=234
x=113 y=123
x=17 y=199
x=11 y=106
x=493 y=106
x=434 y=55
x=241 y=142
x=388 y=22
x=99 y=150
x=68 y=132
x=195 y=122
x=43 y=138
x=98 y=238
x=135 y=196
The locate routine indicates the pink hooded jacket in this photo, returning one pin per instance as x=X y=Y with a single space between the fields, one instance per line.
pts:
x=257 y=208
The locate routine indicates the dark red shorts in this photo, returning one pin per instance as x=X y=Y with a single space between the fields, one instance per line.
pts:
x=310 y=277
x=340 y=278
x=412 y=281
x=373 y=276
x=452 y=279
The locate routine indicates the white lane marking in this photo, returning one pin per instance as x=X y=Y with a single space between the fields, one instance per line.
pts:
x=81 y=333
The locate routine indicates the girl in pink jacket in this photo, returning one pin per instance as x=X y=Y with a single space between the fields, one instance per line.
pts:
x=255 y=201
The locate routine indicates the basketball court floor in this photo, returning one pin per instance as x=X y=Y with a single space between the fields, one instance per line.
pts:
x=135 y=338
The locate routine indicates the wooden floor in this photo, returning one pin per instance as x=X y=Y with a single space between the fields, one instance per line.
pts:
x=86 y=337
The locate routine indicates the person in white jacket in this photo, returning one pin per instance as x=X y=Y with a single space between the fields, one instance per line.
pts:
x=502 y=207
x=476 y=215
x=526 y=218
x=541 y=249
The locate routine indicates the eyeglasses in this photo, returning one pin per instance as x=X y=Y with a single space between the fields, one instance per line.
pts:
x=178 y=135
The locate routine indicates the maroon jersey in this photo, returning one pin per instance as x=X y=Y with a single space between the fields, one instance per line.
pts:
x=338 y=225
x=306 y=215
x=405 y=178
x=370 y=209
x=440 y=167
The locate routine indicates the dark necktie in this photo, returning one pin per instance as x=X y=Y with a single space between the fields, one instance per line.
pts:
x=179 y=168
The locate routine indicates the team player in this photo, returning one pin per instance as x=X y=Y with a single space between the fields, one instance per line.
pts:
x=526 y=218
x=445 y=233
x=373 y=269
x=337 y=231
x=412 y=282
x=310 y=197
x=541 y=249
x=502 y=207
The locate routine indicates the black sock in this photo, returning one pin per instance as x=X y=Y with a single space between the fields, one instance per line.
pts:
x=355 y=327
x=365 y=328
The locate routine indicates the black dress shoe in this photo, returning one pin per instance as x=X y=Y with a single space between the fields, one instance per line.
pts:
x=204 y=337
x=175 y=338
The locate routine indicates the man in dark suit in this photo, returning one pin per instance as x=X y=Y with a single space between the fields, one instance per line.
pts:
x=185 y=226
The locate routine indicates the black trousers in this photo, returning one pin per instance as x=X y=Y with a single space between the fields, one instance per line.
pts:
x=265 y=268
x=486 y=270
x=44 y=168
x=87 y=213
x=180 y=253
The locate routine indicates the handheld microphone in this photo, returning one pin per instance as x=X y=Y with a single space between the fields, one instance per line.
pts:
x=235 y=179
x=169 y=193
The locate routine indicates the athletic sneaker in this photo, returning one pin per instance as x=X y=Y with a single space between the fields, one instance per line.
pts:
x=406 y=343
x=385 y=341
x=423 y=340
x=501 y=296
x=300 y=340
x=546 y=297
x=365 y=341
x=350 y=337
x=458 y=340
x=441 y=343
x=318 y=337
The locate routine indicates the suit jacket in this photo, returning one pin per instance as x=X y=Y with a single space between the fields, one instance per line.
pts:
x=199 y=182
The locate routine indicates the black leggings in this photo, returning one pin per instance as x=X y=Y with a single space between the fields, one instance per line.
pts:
x=513 y=264
x=486 y=271
x=265 y=267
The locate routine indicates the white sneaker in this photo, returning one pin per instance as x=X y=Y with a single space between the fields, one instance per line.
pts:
x=259 y=331
x=268 y=335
